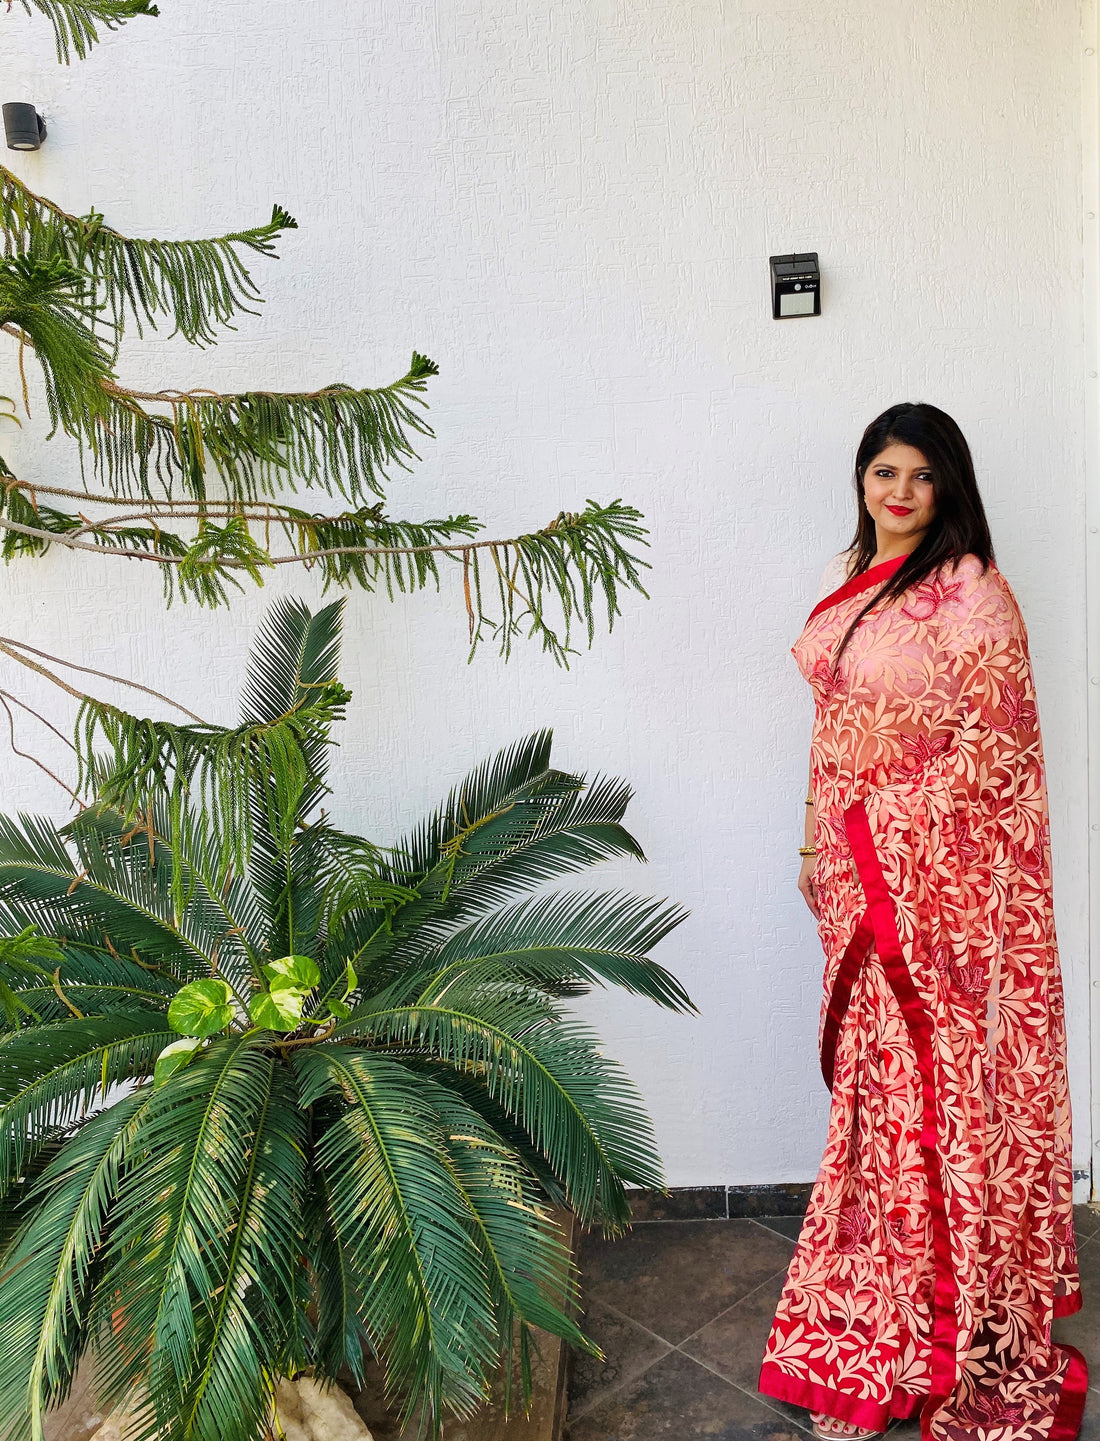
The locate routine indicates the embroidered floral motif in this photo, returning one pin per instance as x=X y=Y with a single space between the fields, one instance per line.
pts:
x=824 y=681
x=965 y=844
x=1018 y=711
x=851 y=1229
x=1030 y=862
x=986 y=1408
x=927 y=598
x=917 y=752
x=970 y=980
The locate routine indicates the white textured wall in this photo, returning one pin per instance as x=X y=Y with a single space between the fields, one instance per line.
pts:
x=569 y=204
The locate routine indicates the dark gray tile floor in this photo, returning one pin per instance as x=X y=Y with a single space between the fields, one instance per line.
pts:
x=682 y=1309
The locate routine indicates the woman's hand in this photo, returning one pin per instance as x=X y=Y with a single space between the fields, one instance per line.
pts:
x=808 y=886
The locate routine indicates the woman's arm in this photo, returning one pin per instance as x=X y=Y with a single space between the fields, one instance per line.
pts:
x=806 y=882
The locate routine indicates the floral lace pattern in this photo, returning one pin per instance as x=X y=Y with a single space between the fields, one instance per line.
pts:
x=929 y=725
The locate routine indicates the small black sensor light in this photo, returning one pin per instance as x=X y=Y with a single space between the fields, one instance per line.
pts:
x=796 y=285
x=24 y=128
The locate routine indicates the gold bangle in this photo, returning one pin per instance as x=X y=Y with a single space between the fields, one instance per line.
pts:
x=807 y=850
x=809 y=800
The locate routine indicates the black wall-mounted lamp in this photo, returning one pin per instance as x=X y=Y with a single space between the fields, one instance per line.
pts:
x=24 y=128
x=796 y=285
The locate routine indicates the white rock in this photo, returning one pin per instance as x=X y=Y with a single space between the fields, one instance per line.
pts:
x=309 y=1412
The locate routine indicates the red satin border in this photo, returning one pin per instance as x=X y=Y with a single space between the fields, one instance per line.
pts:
x=864 y=581
x=919 y=1025
x=797 y=1391
x=851 y=963
x=1071 y=1401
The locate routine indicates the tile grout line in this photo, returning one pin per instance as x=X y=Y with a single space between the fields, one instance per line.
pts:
x=733 y=1306
x=757 y=1396
x=671 y=1346
x=627 y=1380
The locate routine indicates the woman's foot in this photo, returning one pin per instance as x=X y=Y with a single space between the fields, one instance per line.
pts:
x=829 y=1428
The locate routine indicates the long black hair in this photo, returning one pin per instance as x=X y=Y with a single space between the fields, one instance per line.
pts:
x=959 y=526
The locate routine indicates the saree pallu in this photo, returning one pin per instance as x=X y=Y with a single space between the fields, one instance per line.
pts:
x=938 y=1244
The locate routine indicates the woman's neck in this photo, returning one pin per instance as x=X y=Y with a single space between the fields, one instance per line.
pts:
x=890 y=549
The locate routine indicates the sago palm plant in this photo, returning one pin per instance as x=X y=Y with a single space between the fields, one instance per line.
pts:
x=274 y=1099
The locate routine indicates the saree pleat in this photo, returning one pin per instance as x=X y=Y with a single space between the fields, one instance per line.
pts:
x=938 y=1244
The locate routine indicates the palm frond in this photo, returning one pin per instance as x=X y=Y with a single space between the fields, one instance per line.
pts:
x=115 y=892
x=295 y=652
x=514 y=824
x=243 y=1341
x=175 y=1225
x=496 y=809
x=531 y=1267
x=579 y=1109
x=428 y=1305
x=340 y=1284
x=44 y=1298
x=555 y=940
x=578 y=828
x=295 y=659
x=50 y=1075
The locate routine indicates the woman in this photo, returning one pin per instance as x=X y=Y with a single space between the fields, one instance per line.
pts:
x=939 y=1243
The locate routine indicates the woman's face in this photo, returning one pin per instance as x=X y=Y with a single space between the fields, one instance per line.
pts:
x=897 y=487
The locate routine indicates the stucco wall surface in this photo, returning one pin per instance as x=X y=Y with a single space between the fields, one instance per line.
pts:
x=569 y=205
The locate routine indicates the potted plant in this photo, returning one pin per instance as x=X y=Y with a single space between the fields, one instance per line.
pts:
x=274 y=1098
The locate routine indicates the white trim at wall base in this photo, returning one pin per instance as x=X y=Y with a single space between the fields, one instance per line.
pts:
x=1085 y=1188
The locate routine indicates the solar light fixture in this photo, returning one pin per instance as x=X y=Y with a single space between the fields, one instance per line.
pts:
x=24 y=128
x=796 y=285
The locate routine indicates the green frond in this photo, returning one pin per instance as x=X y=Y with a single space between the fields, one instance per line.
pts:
x=114 y=895
x=75 y=22
x=553 y=942
x=176 y=1224
x=367 y=549
x=470 y=1089
x=579 y=1109
x=531 y=1269
x=21 y=1199
x=48 y=300
x=210 y=561
x=341 y=439
x=428 y=1306
x=243 y=1337
x=15 y=506
x=340 y=1282
x=512 y=825
x=295 y=652
x=549 y=583
x=226 y=773
x=201 y=284
x=50 y=1075
x=492 y=789
x=44 y=1299
x=44 y=1002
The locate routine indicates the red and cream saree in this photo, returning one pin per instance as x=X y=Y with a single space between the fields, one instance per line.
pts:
x=938 y=1244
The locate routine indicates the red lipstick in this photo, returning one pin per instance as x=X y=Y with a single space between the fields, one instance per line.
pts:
x=899 y=510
